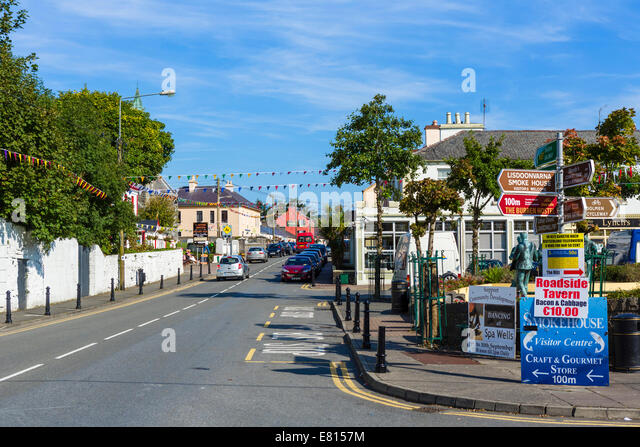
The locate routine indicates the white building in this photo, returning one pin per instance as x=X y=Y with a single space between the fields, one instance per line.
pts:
x=498 y=233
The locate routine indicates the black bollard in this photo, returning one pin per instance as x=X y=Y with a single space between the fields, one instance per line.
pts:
x=208 y=265
x=161 y=281
x=347 y=316
x=200 y=271
x=366 y=335
x=190 y=272
x=78 y=299
x=113 y=291
x=338 y=291
x=313 y=277
x=47 y=301
x=178 y=276
x=356 y=320
x=8 y=320
x=140 y=281
x=381 y=364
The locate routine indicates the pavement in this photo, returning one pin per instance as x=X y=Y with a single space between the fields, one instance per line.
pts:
x=460 y=380
x=97 y=303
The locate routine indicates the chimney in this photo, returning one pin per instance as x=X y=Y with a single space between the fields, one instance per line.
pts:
x=467 y=118
x=192 y=184
x=229 y=186
x=458 y=118
x=448 y=117
x=431 y=133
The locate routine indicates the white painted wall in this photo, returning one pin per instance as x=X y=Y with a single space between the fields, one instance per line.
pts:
x=65 y=265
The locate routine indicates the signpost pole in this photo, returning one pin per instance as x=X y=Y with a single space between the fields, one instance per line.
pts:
x=560 y=183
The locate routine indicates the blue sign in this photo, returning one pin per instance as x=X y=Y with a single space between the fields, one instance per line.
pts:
x=565 y=351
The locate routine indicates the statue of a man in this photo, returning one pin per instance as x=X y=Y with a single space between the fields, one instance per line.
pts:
x=523 y=256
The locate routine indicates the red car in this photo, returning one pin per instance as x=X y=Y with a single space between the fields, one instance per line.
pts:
x=296 y=268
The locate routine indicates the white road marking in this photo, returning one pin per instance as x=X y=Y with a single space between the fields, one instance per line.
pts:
x=75 y=350
x=119 y=333
x=148 y=322
x=172 y=313
x=21 y=372
x=202 y=301
x=188 y=307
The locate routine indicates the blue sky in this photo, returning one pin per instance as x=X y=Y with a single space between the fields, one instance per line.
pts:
x=264 y=85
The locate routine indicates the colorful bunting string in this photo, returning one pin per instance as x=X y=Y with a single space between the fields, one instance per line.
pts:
x=34 y=161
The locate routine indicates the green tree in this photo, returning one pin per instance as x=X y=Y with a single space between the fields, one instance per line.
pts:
x=476 y=176
x=159 y=208
x=375 y=146
x=334 y=228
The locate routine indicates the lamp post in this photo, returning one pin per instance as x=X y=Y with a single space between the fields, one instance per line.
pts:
x=121 y=249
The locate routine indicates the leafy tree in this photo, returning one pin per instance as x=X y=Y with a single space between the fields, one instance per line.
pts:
x=476 y=176
x=428 y=198
x=375 y=146
x=159 y=208
x=334 y=230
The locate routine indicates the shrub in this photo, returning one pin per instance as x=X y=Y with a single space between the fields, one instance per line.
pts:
x=623 y=273
x=497 y=275
x=620 y=294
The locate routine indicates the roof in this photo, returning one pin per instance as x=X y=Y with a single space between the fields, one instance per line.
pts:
x=517 y=144
x=208 y=194
x=269 y=231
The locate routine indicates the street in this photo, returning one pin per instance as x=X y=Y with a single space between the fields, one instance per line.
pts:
x=252 y=353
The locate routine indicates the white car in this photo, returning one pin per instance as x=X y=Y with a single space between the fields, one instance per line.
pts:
x=232 y=267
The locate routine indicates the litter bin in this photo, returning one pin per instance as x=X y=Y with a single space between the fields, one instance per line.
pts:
x=626 y=342
x=399 y=296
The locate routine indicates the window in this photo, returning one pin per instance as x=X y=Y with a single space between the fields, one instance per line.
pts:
x=212 y=216
x=198 y=216
x=443 y=173
x=179 y=216
x=225 y=216
x=492 y=240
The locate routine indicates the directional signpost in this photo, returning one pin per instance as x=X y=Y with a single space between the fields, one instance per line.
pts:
x=578 y=174
x=546 y=224
x=527 y=181
x=546 y=154
x=574 y=209
x=600 y=207
x=527 y=205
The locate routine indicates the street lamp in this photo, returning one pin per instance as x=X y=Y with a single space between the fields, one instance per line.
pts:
x=121 y=249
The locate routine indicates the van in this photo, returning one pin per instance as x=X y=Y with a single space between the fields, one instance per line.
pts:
x=624 y=247
x=303 y=240
x=444 y=243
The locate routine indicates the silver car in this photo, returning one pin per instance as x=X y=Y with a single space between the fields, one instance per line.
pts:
x=257 y=254
x=232 y=267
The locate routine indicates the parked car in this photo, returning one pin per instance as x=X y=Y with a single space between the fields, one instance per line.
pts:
x=484 y=264
x=232 y=267
x=275 y=250
x=296 y=268
x=323 y=250
x=313 y=258
x=317 y=251
x=285 y=248
x=257 y=254
x=316 y=256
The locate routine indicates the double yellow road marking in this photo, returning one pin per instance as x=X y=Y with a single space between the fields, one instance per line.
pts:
x=353 y=390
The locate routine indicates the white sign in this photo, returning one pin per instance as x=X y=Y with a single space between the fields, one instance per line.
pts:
x=561 y=297
x=492 y=321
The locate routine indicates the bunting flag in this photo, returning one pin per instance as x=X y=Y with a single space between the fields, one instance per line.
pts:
x=232 y=174
x=620 y=173
x=34 y=161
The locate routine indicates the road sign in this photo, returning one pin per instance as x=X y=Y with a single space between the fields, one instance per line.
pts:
x=578 y=174
x=600 y=207
x=546 y=225
x=565 y=351
x=227 y=230
x=200 y=232
x=574 y=209
x=546 y=154
x=527 y=205
x=563 y=254
x=527 y=181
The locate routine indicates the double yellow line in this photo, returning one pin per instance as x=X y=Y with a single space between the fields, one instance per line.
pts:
x=353 y=390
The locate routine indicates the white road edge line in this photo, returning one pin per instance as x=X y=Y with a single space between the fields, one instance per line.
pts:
x=172 y=313
x=75 y=350
x=149 y=322
x=119 y=333
x=21 y=372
